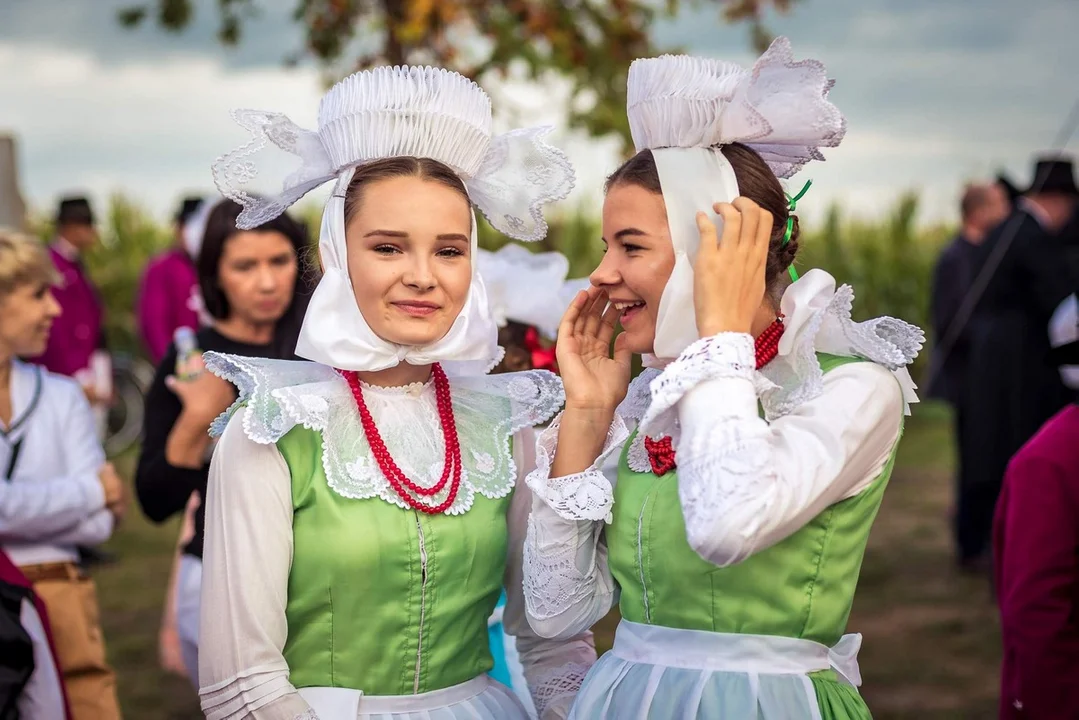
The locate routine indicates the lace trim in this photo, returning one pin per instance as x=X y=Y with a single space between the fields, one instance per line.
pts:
x=497 y=185
x=557 y=684
x=306 y=715
x=638 y=396
x=727 y=355
x=728 y=466
x=489 y=411
x=637 y=456
x=552 y=581
x=797 y=377
x=586 y=495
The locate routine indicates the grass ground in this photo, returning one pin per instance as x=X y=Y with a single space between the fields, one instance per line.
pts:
x=931 y=638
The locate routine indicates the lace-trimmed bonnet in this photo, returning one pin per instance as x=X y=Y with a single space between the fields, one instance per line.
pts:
x=397 y=112
x=529 y=288
x=683 y=109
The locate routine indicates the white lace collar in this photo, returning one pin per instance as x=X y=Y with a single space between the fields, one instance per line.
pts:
x=817 y=316
x=818 y=319
x=489 y=409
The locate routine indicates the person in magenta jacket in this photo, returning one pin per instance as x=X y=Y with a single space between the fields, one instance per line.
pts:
x=1036 y=564
x=170 y=286
x=79 y=331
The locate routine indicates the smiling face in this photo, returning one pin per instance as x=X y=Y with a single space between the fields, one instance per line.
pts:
x=26 y=317
x=638 y=260
x=409 y=258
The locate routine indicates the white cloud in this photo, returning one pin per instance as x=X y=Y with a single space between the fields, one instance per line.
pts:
x=934 y=93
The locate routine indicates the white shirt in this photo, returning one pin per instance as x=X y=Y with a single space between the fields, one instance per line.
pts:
x=745 y=483
x=52 y=500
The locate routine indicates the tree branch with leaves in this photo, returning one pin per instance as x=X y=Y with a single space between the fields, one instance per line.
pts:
x=589 y=42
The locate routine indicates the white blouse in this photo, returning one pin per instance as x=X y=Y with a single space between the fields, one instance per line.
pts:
x=52 y=500
x=242 y=670
x=745 y=483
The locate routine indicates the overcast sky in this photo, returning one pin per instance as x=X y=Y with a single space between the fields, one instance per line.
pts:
x=934 y=93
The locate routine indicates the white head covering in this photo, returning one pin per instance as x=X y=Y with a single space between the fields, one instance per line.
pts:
x=527 y=287
x=194 y=228
x=400 y=112
x=682 y=109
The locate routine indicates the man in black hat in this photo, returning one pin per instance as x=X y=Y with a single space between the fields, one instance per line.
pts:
x=79 y=331
x=1011 y=387
x=169 y=286
x=983 y=207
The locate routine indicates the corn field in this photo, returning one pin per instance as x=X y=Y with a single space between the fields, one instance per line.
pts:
x=888 y=261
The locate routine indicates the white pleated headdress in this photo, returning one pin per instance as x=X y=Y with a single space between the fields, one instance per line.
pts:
x=529 y=288
x=399 y=112
x=683 y=109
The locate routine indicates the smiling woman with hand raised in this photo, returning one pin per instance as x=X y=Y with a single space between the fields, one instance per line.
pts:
x=364 y=509
x=731 y=541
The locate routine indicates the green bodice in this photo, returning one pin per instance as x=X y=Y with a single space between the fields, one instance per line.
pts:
x=382 y=599
x=802 y=587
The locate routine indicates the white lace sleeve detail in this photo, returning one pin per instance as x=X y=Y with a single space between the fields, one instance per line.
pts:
x=586 y=495
x=555 y=690
x=746 y=484
x=554 y=664
x=726 y=355
x=554 y=580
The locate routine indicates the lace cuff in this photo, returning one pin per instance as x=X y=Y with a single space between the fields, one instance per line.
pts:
x=553 y=692
x=585 y=495
x=726 y=355
x=553 y=582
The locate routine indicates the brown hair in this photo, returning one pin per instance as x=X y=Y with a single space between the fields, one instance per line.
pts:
x=24 y=260
x=386 y=168
x=755 y=181
x=517 y=357
x=220 y=228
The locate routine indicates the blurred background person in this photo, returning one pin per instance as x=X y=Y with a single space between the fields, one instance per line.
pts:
x=59 y=492
x=77 y=345
x=170 y=284
x=1011 y=388
x=253 y=286
x=1036 y=563
x=982 y=208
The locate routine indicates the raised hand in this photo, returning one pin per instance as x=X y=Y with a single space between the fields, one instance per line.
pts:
x=728 y=276
x=595 y=379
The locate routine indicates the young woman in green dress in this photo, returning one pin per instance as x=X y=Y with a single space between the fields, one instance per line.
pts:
x=366 y=508
x=767 y=421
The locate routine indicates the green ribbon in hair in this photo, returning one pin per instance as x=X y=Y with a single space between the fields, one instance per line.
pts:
x=792 y=204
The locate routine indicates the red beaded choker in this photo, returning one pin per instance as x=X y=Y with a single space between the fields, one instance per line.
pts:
x=401 y=484
x=765 y=347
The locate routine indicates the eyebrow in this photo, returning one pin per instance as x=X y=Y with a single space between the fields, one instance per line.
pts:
x=401 y=234
x=628 y=232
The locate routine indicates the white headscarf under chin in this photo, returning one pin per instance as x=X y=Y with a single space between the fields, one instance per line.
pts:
x=683 y=109
x=335 y=332
x=693 y=179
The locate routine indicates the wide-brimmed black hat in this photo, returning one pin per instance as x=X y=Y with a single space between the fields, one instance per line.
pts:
x=1054 y=175
x=1010 y=189
x=187 y=208
x=74 y=211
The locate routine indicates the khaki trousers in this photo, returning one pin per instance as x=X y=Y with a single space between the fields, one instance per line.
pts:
x=70 y=599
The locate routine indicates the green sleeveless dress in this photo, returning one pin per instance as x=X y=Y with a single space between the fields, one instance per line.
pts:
x=387 y=600
x=801 y=588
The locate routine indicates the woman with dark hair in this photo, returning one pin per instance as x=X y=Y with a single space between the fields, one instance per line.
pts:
x=255 y=290
x=767 y=420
